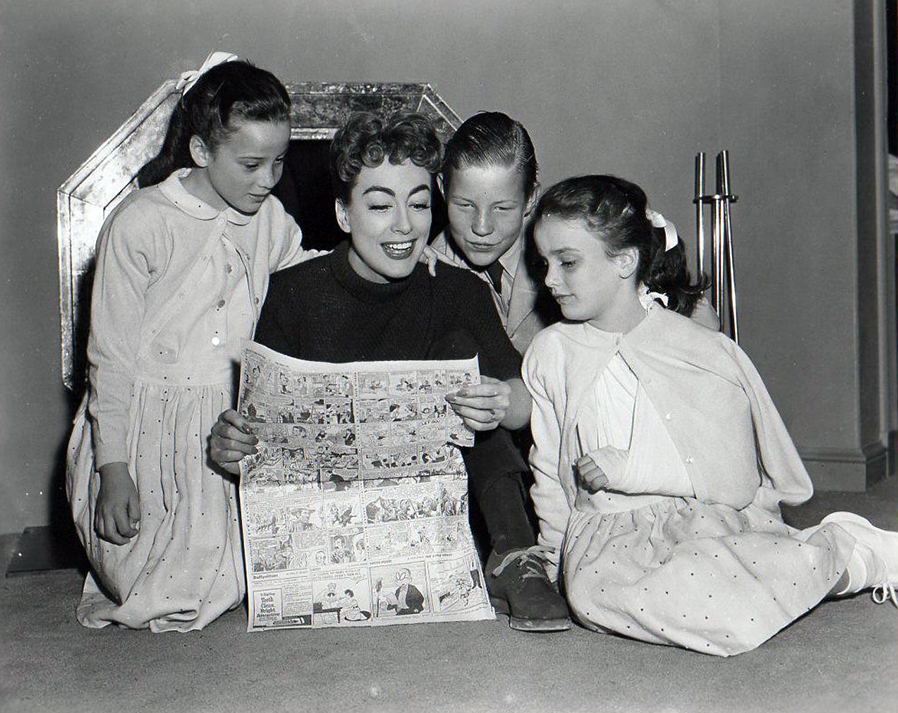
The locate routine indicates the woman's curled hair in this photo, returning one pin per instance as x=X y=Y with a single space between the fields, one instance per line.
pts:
x=367 y=140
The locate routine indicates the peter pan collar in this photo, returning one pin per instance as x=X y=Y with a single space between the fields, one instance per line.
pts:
x=174 y=190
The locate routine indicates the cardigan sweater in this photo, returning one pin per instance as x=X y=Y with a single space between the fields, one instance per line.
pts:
x=155 y=250
x=730 y=438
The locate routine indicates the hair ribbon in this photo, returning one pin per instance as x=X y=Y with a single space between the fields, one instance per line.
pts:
x=671 y=239
x=189 y=78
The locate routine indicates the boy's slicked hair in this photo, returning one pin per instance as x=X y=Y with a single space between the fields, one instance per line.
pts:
x=492 y=138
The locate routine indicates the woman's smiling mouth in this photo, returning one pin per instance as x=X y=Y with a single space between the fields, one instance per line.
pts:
x=398 y=251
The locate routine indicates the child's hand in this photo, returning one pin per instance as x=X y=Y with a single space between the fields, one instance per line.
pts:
x=597 y=469
x=117 y=517
x=482 y=406
x=431 y=257
x=231 y=440
x=590 y=474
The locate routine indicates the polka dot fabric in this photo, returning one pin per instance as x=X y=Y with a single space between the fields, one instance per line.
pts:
x=184 y=568
x=643 y=556
x=705 y=577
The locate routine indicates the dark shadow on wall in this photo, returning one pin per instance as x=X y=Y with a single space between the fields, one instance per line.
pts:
x=56 y=545
x=306 y=192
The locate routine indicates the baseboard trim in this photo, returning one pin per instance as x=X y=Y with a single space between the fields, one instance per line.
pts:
x=852 y=469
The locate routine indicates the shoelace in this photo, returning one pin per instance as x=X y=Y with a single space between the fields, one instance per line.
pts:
x=885 y=593
x=534 y=558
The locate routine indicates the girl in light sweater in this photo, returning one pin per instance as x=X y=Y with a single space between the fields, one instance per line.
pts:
x=660 y=461
x=182 y=270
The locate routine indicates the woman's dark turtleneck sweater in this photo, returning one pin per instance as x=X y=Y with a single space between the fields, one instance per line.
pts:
x=322 y=310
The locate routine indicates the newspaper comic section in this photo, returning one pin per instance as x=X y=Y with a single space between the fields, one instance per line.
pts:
x=355 y=509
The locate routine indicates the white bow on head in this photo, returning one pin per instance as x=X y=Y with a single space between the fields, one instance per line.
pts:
x=670 y=231
x=189 y=78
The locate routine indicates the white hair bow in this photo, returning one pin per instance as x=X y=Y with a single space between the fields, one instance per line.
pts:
x=670 y=231
x=189 y=78
x=647 y=297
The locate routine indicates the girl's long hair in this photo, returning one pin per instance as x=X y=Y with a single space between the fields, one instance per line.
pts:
x=223 y=94
x=615 y=210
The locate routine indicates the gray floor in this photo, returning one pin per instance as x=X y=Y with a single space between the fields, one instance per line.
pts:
x=840 y=657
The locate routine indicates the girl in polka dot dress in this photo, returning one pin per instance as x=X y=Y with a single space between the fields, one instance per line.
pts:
x=660 y=461
x=182 y=270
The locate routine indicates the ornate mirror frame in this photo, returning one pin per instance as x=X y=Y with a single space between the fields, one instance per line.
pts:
x=91 y=192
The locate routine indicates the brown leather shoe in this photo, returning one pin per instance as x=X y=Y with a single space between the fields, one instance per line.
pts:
x=519 y=586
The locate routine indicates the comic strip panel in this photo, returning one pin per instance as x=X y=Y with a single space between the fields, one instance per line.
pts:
x=276 y=554
x=399 y=591
x=342 y=598
x=456 y=585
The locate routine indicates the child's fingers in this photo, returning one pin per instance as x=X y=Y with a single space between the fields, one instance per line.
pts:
x=107 y=530
x=596 y=480
x=123 y=524
x=431 y=257
x=588 y=469
x=591 y=474
x=134 y=511
x=228 y=460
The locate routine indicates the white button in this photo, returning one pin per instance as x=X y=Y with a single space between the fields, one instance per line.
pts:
x=689 y=459
x=667 y=417
x=215 y=341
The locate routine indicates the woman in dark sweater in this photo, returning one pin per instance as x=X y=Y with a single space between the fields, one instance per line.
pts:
x=370 y=300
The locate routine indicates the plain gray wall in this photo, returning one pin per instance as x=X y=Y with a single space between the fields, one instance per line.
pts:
x=620 y=87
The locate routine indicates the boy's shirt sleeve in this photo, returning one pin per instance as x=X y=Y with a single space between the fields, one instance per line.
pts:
x=549 y=500
x=127 y=252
